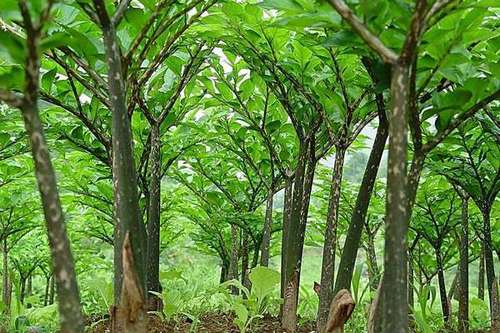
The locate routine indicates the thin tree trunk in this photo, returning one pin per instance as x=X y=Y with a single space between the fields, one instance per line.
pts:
x=70 y=315
x=29 y=289
x=330 y=244
x=304 y=176
x=52 y=290
x=463 y=299
x=488 y=258
x=480 y=277
x=266 y=235
x=244 y=260
x=394 y=288
x=411 y=279
x=287 y=209
x=371 y=259
x=126 y=201
x=233 y=266
x=442 y=289
x=153 y=243
x=22 y=289
x=353 y=237
x=130 y=313
x=46 y=293
x=255 y=256
x=5 y=277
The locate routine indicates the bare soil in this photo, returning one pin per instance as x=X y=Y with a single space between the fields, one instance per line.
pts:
x=208 y=323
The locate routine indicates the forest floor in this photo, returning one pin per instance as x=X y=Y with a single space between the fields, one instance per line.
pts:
x=208 y=323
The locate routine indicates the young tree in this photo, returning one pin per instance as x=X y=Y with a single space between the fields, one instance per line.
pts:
x=28 y=54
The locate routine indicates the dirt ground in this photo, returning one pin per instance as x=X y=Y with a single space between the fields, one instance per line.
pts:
x=209 y=323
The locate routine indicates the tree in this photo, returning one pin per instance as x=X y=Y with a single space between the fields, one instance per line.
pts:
x=470 y=161
x=62 y=260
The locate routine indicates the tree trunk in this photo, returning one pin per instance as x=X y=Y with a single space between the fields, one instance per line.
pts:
x=244 y=260
x=488 y=258
x=463 y=299
x=5 y=277
x=304 y=176
x=411 y=279
x=255 y=256
x=353 y=237
x=129 y=314
x=330 y=244
x=287 y=209
x=47 y=290
x=371 y=260
x=71 y=319
x=394 y=288
x=233 y=266
x=52 y=290
x=442 y=289
x=480 y=277
x=266 y=235
x=126 y=201
x=153 y=243
x=22 y=289
x=29 y=289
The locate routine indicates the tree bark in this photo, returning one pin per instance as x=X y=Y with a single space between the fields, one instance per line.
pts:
x=371 y=259
x=233 y=266
x=394 y=287
x=442 y=288
x=330 y=243
x=353 y=237
x=126 y=201
x=463 y=300
x=70 y=315
x=153 y=243
x=304 y=175
x=130 y=314
x=22 y=289
x=266 y=235
x=480 y=277
x=287 y=209
x=488 y=258
x=245 y=281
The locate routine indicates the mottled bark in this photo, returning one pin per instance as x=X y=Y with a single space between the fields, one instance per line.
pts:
x=463 y=299
x=353 y=237
x=394 y=314
x=330 y=243
x=266 y=235
x=371 y=261
x=153 y=243
x=70 y=315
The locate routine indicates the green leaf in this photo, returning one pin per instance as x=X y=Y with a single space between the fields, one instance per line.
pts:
x=48 y=79
x=13 y=46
